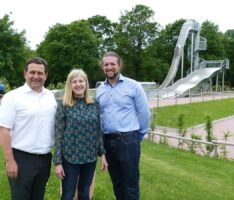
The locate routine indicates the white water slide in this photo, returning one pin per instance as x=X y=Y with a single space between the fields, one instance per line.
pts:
x=202 y=71
x=190 y=81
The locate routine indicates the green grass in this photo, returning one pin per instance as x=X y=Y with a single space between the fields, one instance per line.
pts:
x=194 y=113
x=166 y=174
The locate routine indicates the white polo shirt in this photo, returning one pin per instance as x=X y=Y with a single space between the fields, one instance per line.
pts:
x=30 y=116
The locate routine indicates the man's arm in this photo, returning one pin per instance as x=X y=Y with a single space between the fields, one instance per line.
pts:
x=143 y=111
x=5 y=141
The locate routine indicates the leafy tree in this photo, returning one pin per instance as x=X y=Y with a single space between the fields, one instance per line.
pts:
x=13 y=52
x=135 y=32
x=229 y=51
x=104 y=30
x=70 y=46
x=215 y=45
x=153 y=68
x=160 y=53
x=166 y=42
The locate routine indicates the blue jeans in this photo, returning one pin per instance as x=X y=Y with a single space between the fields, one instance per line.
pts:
x=123 y=155
x=83 y=173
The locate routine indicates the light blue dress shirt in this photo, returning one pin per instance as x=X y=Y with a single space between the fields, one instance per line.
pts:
x=123 y=107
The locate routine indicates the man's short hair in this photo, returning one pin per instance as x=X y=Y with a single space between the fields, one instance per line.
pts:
x=36 y=60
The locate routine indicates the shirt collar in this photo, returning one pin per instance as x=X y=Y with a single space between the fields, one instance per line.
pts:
x=121 y=79
x=26 y=89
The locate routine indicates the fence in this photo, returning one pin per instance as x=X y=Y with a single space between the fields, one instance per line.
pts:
x=215 y=143
x=153 y=96
x=190 y=97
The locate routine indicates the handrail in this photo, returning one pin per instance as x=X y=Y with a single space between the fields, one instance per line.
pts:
x=183 y=138
x=223 y=142
x=215 y=143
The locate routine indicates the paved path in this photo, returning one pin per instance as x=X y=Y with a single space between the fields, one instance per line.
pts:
x=173 y=101
x=220 y=127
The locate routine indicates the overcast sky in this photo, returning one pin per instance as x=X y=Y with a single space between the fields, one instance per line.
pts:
x=36 y=16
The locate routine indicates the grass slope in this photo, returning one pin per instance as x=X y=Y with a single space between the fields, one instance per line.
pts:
x=194 y=113
x=166 y=174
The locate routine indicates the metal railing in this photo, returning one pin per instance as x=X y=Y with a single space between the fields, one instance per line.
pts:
x=190 y=97
x=170 y=96
x=215 y=143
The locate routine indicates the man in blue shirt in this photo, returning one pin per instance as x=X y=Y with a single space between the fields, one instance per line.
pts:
x=125 y=118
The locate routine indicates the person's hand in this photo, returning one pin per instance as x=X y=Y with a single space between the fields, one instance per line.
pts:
x=12 y=169
x=59 y=172
x=104 y=163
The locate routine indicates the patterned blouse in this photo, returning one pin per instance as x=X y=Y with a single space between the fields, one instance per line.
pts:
x=78 y=136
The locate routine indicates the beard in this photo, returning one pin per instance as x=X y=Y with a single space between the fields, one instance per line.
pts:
x=112 y=76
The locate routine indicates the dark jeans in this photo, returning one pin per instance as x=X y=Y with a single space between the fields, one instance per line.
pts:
x=34 y=172
x=123 y=155
x=81 y=172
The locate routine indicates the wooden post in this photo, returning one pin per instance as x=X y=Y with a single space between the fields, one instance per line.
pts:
x=216 y=154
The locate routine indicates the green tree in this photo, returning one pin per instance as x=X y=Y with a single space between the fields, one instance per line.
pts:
x=13 y=52
x=215 y=45
x=166 y=42
x=70 y=46
x=135 y=32
x=229 y=52
x=159 y=55
x=104 y=30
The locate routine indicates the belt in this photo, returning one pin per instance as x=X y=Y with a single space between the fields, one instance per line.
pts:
x=30 y=154
x=116 y=135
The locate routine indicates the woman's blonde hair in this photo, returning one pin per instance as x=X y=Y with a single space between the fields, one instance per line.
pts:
x=69 y=98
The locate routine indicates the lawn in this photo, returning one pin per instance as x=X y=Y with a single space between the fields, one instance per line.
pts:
x=166 y=174
x=194 y=113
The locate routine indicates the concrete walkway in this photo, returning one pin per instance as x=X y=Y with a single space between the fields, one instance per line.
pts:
x=183 y=100
x=220 y=127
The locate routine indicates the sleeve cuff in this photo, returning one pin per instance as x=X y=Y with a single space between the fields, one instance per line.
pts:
x=141 y=136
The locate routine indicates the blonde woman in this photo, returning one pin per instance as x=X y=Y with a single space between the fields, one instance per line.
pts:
x=78 y=138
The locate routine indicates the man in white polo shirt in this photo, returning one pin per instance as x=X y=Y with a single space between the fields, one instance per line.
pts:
x=26 y=133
